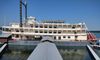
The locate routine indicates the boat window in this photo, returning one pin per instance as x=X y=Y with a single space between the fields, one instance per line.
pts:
x=76 y=36
x=78 y=26
x=50 y=26
x=36 y=31
x=83 y=26
x=26 y=30
x=12 y=35
x=59 y=32
x=64 y=31
x=17 y=30
x=6 y=29
x=60 y=26
x=55 y=27
x=31 y=30
x=45 y=31
x=55 y=32
x=54 y=37
x=27 y=37
x=0 y=28
x=69 y=26
x=45 y=26
x=73 y=27
x=64 y=26
x=69 y=37
x=64 y=36
x=41 y=31
x=59 y=37
x=50 y=31
x=21 y=30
x=31 y=25
x=17 y=36
x=74 y=32
x=69 y=31
x=83 y=31
x=12 y=29
x=78 y=31
x=41 y=26
x=3 y=29
x=36 y=26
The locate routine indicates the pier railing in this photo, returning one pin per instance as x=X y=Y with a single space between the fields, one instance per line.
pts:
x=2 y=49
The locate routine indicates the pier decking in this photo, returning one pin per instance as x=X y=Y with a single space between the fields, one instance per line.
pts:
x=46 y=50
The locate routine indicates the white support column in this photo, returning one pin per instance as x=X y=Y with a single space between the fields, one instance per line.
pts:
x=57 y=37
x=47 y=25
x=43 y=28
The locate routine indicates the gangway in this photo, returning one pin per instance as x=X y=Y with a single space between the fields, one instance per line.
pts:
x=46 y=50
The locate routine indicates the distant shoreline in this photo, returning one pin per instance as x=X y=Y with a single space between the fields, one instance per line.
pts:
x=95 y=31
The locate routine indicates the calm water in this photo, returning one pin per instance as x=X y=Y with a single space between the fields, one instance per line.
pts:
x=17 y=52
x=67 y=52
x=74 y=53
x=15 y=55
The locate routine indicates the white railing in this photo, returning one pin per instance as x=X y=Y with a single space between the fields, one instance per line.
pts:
x=1 y=49
x=33 y=33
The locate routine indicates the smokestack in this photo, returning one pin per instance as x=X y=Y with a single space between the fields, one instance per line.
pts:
x=25 y=10
x=25 y=5
x=20 y=13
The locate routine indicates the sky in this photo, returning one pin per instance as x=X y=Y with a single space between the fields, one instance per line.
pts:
x=71 y=11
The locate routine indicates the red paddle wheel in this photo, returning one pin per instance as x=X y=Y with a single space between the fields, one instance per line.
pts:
x=91 y=37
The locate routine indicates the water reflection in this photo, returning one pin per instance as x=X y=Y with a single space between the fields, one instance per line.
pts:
x=18 y=52
x=74 y=53
x=15 y=55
